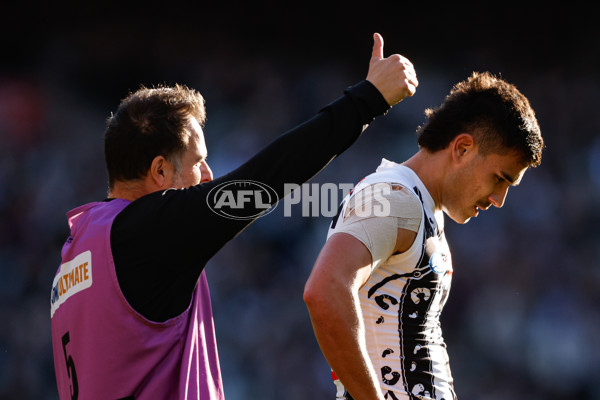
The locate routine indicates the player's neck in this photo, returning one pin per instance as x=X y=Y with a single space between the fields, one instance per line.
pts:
x=429 y=167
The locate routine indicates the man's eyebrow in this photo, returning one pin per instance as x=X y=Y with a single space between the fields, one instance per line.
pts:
x=510 y=179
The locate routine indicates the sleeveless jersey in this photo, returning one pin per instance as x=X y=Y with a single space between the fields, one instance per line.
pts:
x=103 y=349
x=402 y=300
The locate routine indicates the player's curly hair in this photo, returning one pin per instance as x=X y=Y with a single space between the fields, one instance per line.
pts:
x=149 y=123
x=494 y=112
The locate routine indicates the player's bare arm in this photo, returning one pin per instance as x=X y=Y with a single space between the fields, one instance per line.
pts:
x=343 y=266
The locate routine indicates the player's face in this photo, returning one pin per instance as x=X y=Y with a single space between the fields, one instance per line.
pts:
x=480 y=183
x=193 y=168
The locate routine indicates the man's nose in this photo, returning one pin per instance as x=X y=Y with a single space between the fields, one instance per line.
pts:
x=498 y=197
x=206 y=174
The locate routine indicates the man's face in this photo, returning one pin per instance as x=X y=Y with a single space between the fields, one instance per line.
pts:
x=192 y=168
x=481 y=182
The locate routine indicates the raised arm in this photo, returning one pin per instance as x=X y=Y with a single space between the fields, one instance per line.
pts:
x=294 y=157
x=299 y=154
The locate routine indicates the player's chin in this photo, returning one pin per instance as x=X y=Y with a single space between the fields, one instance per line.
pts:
x=464 y=221
x=461 y=218
x=461 y=221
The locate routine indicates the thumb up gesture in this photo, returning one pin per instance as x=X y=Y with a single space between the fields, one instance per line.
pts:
x=393 y=76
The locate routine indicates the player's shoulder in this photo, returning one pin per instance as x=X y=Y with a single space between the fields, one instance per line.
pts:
x=385 y=199
x=388 y=190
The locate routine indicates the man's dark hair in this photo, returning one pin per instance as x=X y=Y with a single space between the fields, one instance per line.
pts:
x=494 y=112
x=149 y=123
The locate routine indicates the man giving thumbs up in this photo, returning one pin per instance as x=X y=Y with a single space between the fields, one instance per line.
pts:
x=130 y=307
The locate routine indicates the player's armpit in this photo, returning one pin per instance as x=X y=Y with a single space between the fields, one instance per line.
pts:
x=404 y=240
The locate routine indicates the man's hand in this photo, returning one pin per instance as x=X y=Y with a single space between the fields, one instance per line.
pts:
x=394 y=76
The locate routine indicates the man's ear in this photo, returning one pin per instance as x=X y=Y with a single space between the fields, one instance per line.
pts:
x=463 y=147
x=157 y=171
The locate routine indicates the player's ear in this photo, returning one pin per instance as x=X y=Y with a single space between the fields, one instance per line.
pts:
x=463 y=147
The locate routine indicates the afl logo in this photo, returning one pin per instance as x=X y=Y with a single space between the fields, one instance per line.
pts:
x=438 y=262
x=242 y=199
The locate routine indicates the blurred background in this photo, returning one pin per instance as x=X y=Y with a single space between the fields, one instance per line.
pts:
x=523 y=316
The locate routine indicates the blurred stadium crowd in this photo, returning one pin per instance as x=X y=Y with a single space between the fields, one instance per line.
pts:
x=523 y=316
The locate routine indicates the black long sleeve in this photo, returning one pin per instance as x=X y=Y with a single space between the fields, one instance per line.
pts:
x=162 y=241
